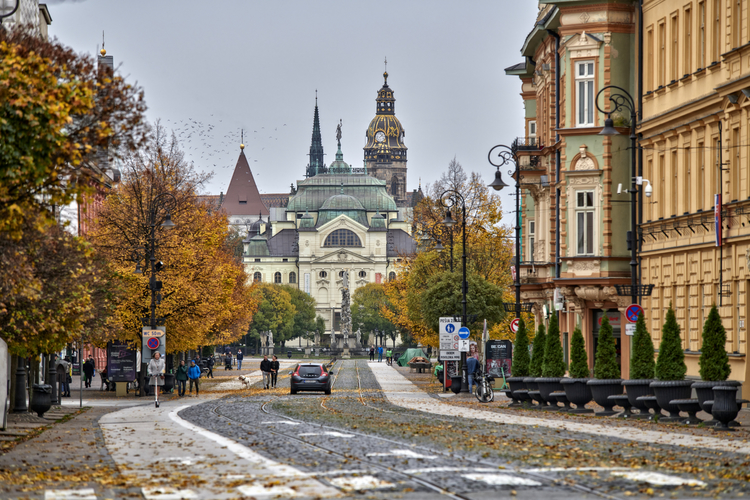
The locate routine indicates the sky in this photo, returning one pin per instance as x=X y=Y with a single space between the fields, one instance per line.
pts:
x=212 y=69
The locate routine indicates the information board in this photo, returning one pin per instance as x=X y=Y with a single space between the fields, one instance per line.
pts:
x=121 y=362
x=499 y=354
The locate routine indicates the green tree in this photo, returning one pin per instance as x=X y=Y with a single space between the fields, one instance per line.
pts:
x=521 y=358
x=670 y=364
x=443 y=297
x=553 y=364
x=368 y=305
x=579 y=361
x=537 y=352
x=642 y=362
x=275 y=310
x=714 y=361
x=605 y=363
x=304 y=313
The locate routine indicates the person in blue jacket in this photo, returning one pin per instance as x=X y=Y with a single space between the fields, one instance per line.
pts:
x=380 y=354
x=472 y=365
x=194 y=374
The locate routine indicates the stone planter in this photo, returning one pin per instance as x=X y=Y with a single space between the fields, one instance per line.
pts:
x=601 y=390
x=534 y=393
x=725 y=407
x=546 y=387
x=578 y=393
x=652 y=404
x=668 y=390
x=635 y=389
x=704 y=391
x=40 y=399
x=516 y=384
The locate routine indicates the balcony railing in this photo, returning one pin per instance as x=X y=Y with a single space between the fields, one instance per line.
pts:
x=527 y=144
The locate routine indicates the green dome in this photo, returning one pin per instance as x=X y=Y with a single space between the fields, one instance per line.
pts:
x=342 y=202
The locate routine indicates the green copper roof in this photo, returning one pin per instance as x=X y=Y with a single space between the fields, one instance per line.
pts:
x=339 y=166
x=313 y=192
x=326 y=216
x=257 y=245
x=342 y=202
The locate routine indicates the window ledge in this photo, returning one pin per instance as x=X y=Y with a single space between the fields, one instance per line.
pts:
x=685 y=76
x=700 y=71
x=714 y=65
x=672 y=83
x=660 y=89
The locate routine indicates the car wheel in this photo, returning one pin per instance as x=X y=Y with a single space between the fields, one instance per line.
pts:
x=328 y=392
x=293 y=391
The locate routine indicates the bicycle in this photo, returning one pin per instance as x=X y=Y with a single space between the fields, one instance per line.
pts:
x=484 y=392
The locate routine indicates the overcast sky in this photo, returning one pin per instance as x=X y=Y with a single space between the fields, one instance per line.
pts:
x=233 y=64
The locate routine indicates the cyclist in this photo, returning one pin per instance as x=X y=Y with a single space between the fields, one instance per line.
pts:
x=388 y=355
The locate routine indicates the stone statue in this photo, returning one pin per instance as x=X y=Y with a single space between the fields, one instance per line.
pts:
x=359 y=336
x=346 y=312
x=338 y=132
x=269 y=338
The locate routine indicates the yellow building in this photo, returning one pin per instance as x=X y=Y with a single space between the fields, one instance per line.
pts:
x=695 y=140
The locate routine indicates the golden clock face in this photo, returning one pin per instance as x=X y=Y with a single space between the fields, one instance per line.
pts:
x=380 y=136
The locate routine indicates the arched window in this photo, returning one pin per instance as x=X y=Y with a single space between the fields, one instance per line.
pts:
x=323 y=274
x=277 y=278
x=342 y=238
x=391 y=276
x=363 y=274
x=257 y=277
x=292 y=277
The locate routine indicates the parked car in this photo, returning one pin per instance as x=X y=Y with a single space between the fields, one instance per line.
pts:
x=311 y=377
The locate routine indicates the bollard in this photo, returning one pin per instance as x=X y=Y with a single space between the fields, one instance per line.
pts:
x=19 y=405
x=52 y=379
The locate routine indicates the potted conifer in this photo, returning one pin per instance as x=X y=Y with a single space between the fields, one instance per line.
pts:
x=670 y=383
x=576 y=387
x=535 y=367
x=714 y=361
x=606 y=381
x=641 y=368
x=520 y=366
x=553 y=365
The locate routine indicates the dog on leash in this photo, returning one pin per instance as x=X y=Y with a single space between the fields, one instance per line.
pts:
x=245 y=381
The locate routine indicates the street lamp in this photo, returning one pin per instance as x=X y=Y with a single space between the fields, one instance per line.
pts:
x=622 y=100
x=449 y=222
x=439 y=245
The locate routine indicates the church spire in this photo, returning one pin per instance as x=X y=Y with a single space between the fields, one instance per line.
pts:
x=316 y=164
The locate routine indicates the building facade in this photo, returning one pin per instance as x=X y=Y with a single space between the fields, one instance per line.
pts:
x=695 y=143
x=574 y=222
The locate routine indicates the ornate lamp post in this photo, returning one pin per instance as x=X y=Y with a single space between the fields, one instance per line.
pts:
x=438 y=242
x=622 y=100
x=455 y=196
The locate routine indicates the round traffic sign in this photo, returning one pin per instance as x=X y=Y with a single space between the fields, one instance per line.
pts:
x=633 y=311
x=450 y=327
x=514 y=325
x=464 y=332
x=153 y=343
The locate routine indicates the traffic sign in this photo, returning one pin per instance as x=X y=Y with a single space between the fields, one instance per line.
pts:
x=448 y=329
x=464 y=332
x=152 y=333
x=450 y=355
x=153 y=343
x=463 y=345
x=633 y=311
x=514 y=325
x=630 y=329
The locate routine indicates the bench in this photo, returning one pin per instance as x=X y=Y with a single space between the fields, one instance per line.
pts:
x=419 y=367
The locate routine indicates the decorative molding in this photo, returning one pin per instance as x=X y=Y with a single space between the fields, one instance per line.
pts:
x=583 y=160
x=582 y=46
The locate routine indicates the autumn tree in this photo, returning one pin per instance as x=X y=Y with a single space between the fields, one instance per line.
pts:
x=304 y=320
x=275 y=310
x=371 y=310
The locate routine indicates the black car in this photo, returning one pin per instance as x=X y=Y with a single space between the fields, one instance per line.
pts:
x=311 y=377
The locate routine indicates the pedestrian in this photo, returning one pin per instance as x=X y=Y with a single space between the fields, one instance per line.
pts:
x=61 y=370
x=88 y=372
x=210 y=366
x=266 y=367
x=472 y=364
x=194 y=375
x=240 y=357
x=380 y=354
x=275 y=365
x=181 y=377
x=156 y=372
x=228 y=361
x=372 y=353
x=388 y=355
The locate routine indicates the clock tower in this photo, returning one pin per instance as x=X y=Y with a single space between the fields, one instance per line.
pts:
x=385 y=152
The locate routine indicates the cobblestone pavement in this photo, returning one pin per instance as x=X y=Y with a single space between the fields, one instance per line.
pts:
x=360 y=443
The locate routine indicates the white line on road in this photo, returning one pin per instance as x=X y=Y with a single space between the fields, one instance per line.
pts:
x=360 y=483
x=402 y=453
x=82 y=494
x=659 y=479
x=285 y=422
x=259 y=491
x=329 y=433
x=168 y=493
x=502 y=480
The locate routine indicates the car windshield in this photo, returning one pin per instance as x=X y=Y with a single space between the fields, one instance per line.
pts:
x=309 y=371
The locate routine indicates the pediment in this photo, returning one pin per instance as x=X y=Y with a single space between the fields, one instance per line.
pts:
x=342 y=256
x=583 y=45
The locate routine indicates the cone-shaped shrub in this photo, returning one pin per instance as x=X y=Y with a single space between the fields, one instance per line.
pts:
x=579 y=361
x=605 y=362
x=642 y=363
x=521 y=358
x=554 y=364
x=537 y=353
x=714 y=361
x=670 y=365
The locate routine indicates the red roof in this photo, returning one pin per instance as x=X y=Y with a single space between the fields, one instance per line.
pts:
x=243 y=197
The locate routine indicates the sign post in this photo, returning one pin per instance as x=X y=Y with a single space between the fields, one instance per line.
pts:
x=449 y=327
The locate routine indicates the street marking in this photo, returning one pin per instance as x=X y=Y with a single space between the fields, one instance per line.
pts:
x=281 y=422
x=502 y=480
x=659 y=479
x=402 y=453
x=182 y=460
x=573 y=469
x=330 y=433
x=430 y=470
x=167 y=493
x=84 y=494
x=259 y=490
x=360 y=483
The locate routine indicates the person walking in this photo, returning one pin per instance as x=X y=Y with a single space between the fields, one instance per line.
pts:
x=210 y=366
x=472 y=364
x=388 y=355
x=156 y=372
x=266 y=367
x=240 y=357
x=88 y=371
x=181 y=377
x=61 y=370
x=372 y=353
x=380 y=354
x=194 y=375
x=275 y=365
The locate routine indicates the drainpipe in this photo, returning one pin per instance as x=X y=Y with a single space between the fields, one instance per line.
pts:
x=557 y=151
x=639 y=90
